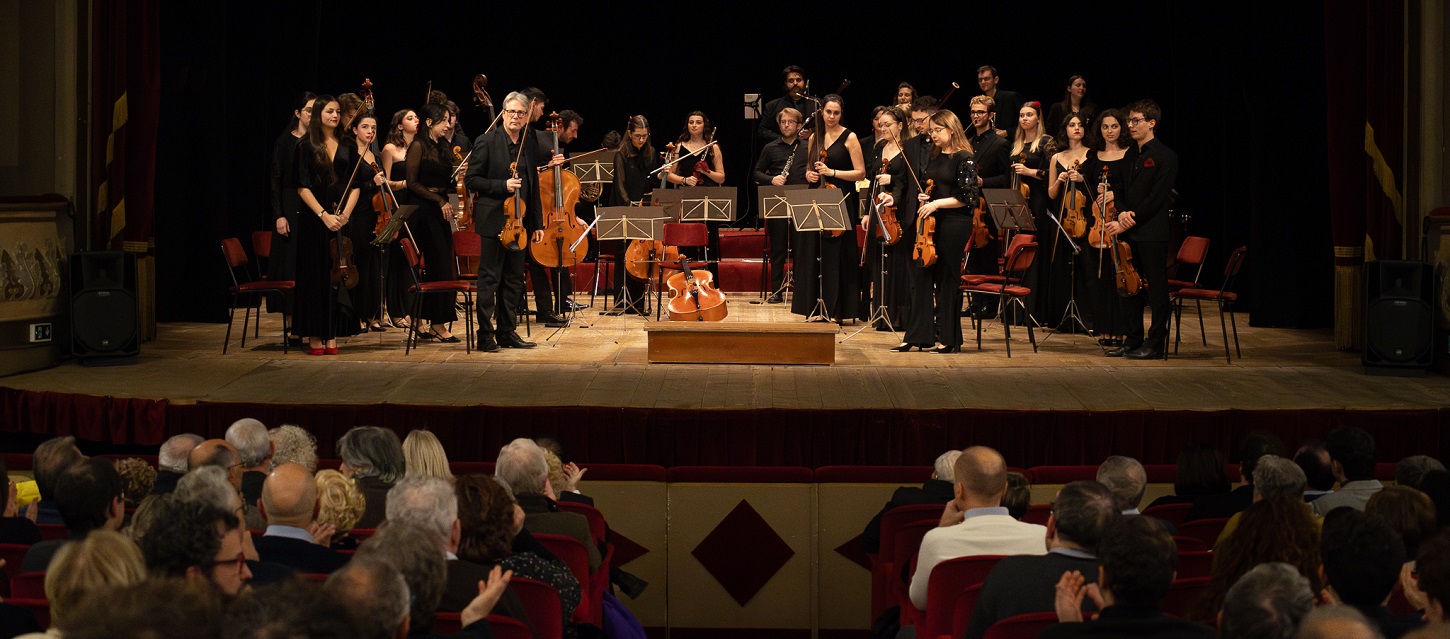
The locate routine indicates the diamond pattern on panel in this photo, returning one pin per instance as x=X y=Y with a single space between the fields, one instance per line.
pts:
x=743 y=552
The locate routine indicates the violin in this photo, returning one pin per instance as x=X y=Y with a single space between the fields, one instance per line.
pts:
x=1102 y=212
x=384 y=202
x=1073 y=204
x=559 y=193
x=367 y=94
x=980 y=233
x=693 y=296
x=512 y=234
x=339 y=249
x=1018 y=184
x=827 y=185
x=923 y=253
x=889 y=228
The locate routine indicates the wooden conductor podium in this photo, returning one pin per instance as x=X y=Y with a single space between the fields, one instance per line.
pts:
x=741 y=343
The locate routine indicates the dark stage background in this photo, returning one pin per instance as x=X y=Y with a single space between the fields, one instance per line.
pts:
x=1242 y=86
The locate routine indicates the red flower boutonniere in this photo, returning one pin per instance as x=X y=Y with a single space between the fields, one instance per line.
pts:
x=1147 y=162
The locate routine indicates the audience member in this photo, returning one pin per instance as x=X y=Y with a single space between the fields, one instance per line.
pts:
x=171 y=461
x=1200 y=475
x=1427 y=586
x=1127 y=479
x=254 y=449
x=340 y=505
x=522 y=467
x=1018 y=499
x=1277 y=528
x=293 y=445
x=372 y=457
x=1318 y=469
x=1337 y=622
x=14 y=528
x=289 y=504
x=88 y=494
x=1268 y=602
x=140 y=520
x=1138 y=558
x=1363 y=558
x=974 y=522
x=137 y=480
x=221 y=454
x=102 y=561
x=1256 y=445
x=424 y=456
x=1411 y=470
x=199 y=542
x=1352 y=451
x=937 y=490
x=1022 y=584
x=1409 y=512
x=1436 y=486
x=151 y=609
x=1273 y=476
x=377 y=594
x=565 y=479
x=296 y=608
x=418 y=555
x=51 y=458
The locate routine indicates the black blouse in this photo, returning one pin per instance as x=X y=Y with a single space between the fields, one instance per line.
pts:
x=428 y=169
x=631 y=177
x=954 y=176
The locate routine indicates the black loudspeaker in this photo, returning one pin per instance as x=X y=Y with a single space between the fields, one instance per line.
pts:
x=1399 y=320
x=103 y=305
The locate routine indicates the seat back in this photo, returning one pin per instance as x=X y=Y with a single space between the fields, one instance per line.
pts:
x=233 y=252
x=1190 y=544
x=576 y=556
x=415 y=262
x=29 y=585
x=1037 y=514
x=1171 y=513
x=1231 y=269
x=38 y=607
x=361 y=534
x=885 y=572
x=962 y=611
x=948 y=580
x=1026 y=626
x=503 y=628
x=1192 y=252
x=541 y=602
x=597 y=526
x=1204 y=530
x=466 y=244
x=897 y=517
x=1194 y=563
x=686 y=234
x=52 y=532
x=262 y=244
x=1182 y=595
x=448 y=624
x=1019 y=240
x=12 y=555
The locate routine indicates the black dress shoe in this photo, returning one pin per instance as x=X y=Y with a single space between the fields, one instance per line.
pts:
x=946 y=349
x=906 y=348
x=487 y=344
x=512 y=340
x=552 y=320
x=1120 y=351
x=774 y=299
x=1146 y=352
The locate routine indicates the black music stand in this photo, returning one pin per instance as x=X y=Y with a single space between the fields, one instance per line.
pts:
x=819 y=210
x=707 y=203
x=1071 y=312
x=627 y=223
x=593 y=172
x=669 y=201
x=878 y=314
x=774 y=206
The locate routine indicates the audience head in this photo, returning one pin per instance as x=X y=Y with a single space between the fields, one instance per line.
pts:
x=551 y=445
x=419 y=557
x=428 y=502
x=1274 y=475
x=487 y=517
x=293 y=445
x=51 y=459
x=1018 y=498
x=209 y=485
x=289 y=496
x=1276 y=528
x=1409 y=512
x=1256 y=445
x=137 y=479
x=1411 y=470
x=1362 y=557
x=141 y=519
x=1352 y=451
x=249 y=437
x=1268 y=602
x=104 y=560
x=1432 y=570
x=1318 y=469
x=339 y=502
x=1137 y=560
x=1126 y=478
x=175 y=450
x=196 y=541
x=1080 y=513
x=945 y=466
x=378 y=594
x=424 y=456
x=289 y=609
x=88 y=495
x=150 y=609
x=522 y=466
x=557 y=480
x=981 y=477
x=369 y=451
x=219 y=453
x=1337 y=622
x=1200 y=472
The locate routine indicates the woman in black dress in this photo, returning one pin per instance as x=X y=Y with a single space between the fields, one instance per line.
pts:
x=1074 y=102
x=401 y=131
x=1112 y=152
x=323 y=312
x=836 y=161
x=282 y=262
x=429 y=182
x=1066 y=278
x=1031 y=150
x=711 y=166
x=892 y=286
x=357 y=144
x=936 y=314
x=633 y=163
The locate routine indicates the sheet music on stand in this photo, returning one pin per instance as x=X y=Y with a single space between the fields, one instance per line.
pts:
x=818 y=209
x=773 y=205
x=707 y=203
x=593 y=172
x=400 y=215
x=1009 y=210
x=630 y=223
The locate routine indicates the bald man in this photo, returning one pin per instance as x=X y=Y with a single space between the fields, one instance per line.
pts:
x=974 y=521
x=289 y=505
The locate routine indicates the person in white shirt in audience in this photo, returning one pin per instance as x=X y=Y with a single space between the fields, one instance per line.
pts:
x=1352 y=450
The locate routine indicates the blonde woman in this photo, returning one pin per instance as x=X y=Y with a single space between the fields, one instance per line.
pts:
x=425 y=457
x=103 y=561
x=341 y=504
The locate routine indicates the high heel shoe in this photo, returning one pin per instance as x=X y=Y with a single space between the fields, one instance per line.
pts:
x=906 y=348
x=424 y=336
x=451 y=339
x=330 y=350
x=315 y=351
x=946 y=349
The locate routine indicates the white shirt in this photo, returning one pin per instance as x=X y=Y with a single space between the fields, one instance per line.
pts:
x=983 y=531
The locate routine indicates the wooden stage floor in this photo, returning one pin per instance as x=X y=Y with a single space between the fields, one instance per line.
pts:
x=605 y=366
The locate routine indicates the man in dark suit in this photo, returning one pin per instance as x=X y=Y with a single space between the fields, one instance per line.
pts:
x=1025 y=583
x=1137 y=558
x=1143 y=223
x=501 y=270
x=1363 y=557
x=522 y=465
x=289 y=505
x=1005 y=104
x=171 y=461
x=937 y=490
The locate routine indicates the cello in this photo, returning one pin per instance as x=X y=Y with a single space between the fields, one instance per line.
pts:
x=693 y=296
x=923 y=253
x=564 y=244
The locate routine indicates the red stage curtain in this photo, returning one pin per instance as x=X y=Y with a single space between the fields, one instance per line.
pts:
x=125 y=117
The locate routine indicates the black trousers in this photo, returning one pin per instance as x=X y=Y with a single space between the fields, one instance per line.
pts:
x=543 y=279
x=936 y=309
x=779 y=231
x=500 y=287
x=1151 y=261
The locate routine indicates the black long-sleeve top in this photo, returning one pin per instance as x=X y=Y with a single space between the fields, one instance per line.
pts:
x=347 y=155
x=773 y=158
x=1149 y=184
x=284 y=174
x=904 y=178
x=769 y=129
x=991 y=153
x=953 y=176
x=631 y=177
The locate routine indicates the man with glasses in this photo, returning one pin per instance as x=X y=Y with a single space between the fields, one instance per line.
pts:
x=1143 y=223
x=544 y=278
x=198 y=542
x=1006 y=103
x=795 y=88
x=771 y=169
x=501 y=271
x=993 y=172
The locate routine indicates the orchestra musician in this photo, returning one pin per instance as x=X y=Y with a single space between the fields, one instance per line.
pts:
x=1031 y=150
x=286 y=206
x=772 y=169
x=357 y=144
x=893 y=286
x=1110 y=150
x=542 y=278
x=696 y=134
x=839 y=269
x=1006 y=103
x=351 y=105
x=1066 y=171
x=322 y=311
x=990 y=152
x=935 y=319
x=633 y=163
x=905 y=95
x=501 y=271
x=1074 y=100
x=401 y=131
x=1143 y=223
x=795 y=88
x=430 y=182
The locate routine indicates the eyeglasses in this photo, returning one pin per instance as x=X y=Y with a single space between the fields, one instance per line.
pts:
x=639 y=136
x=515 y=113
x=238 y=562
x=919 y=120
x=979 y=113
x=1136 y=121
x=938 y=129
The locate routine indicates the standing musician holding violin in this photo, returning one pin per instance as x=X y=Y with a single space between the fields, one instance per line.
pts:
x=891 y=285
x=503 y=171
x=1031 y=150
x=430 y=181
x=1070 y=192
x=1143 y=223
x=357 y=146
x=951 y=174
x=706 y=170
x=401 y=131
x=321 y=314
x=1110 y=158
x=837 y=163
x=783 y=161
x=994 y=171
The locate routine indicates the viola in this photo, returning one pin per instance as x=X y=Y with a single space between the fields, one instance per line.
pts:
x=339 y=249
x=559 y=193
x=1018 y=184
x=923 y=253
x=889 y=225
x=512 y=234
x=693 y=296
x=1073 y=204
x=1102 y=212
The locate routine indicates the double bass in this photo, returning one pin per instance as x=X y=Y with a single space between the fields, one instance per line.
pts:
x=693 y=296
x=923 y=253
x=559 y=193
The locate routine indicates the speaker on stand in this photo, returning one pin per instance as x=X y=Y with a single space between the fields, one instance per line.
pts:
x=104 y=328
x=1399 y=317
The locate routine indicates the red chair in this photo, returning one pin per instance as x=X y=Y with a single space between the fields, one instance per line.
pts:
x=1018 y=262
x=467 y=245
x=903 y=557
x=541 y=603
x=236 y=258
x=28 y=585
x=450 y=289
x=1017 y=242
x=38 y=607
x=262 y=250
x=598 y=529
x=946 y=585
x=1224 y=296
x=1171 y=513
x=1026 y=626
x=682 y=235
x=13 y=555
x=1037 y=514
x=1190 y=544
x=451 y=623
x=1182 y=595
x=503 y=628
x=52 y=532
x=885 y=572
x=1191 y=253
x=573 y=554
x=1194 y=563
x=1204 y=530
x=962 y=612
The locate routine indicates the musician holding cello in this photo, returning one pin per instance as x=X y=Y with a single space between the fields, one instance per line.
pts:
x=322 y=312
x=503 y=171
x=1143 y=223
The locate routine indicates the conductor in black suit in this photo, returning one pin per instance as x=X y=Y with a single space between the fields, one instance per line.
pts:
x=501 y=271
x=289 y=504
x=1143 y=223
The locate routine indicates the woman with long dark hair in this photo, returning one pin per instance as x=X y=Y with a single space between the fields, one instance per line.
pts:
x=1065 y=176
x=429 y=182
x=1074 y=102
x=1113 y=152
x=401 y=131
x=357 y=145
x=839 y=283
x=282 y=262
x=892 y=286
x=706 y=169
x=323 y=312
x=633 y=163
